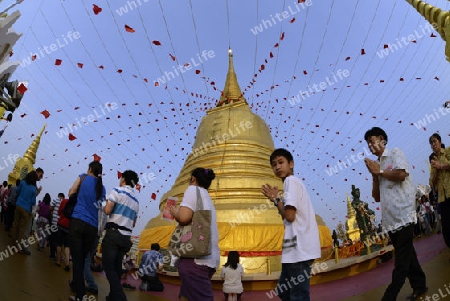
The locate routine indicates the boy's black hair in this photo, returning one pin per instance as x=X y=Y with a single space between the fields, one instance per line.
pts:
x=376 y=131
x=281 y=152
x=131 y=178
x=155 y=246
x=61 y=195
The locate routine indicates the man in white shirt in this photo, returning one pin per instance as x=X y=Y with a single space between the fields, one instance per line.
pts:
x=394 y=189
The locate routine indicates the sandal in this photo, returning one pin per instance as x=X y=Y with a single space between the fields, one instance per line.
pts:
x=67 y=268
x=416 y=294
x=58 y=264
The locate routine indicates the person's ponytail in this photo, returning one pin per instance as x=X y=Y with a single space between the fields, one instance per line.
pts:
x=97 y=169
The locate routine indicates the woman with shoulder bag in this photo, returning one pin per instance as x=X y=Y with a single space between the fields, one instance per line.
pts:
x=195 y=274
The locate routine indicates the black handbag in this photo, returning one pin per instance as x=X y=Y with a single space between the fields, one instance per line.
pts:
x=72 y=202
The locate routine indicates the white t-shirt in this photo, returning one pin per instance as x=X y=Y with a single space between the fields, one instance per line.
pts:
x=190 y=201
x=232 y=283
x=301 y=237
x=397 y=199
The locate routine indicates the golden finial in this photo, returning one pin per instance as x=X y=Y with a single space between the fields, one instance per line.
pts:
x=30 y=154
x=439 y=19
x=231 y=92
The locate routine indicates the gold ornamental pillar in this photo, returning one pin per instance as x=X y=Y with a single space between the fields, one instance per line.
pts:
x=439 y=19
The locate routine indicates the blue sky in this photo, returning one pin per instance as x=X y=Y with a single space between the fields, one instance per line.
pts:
x=151 y=129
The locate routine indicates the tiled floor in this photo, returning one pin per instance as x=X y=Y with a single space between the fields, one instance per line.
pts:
x=36 y=278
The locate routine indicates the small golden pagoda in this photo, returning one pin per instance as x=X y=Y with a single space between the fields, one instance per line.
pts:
x=351 y=224
x=24 y=165
x=236 y=144
x=438 y=18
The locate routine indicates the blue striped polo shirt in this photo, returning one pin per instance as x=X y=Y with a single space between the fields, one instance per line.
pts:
x=126 y=207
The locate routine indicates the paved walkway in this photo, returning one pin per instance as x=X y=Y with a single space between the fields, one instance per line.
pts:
x=37 y=278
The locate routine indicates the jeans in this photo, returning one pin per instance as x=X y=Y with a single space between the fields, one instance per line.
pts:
x=9 y=218
x=427 y=224
x=82 y=237
x=52 y=240
x=87 y=267
x=296 y=287
x=42 y=233
x=406 y=264
x=152 y=283
x=114 y=247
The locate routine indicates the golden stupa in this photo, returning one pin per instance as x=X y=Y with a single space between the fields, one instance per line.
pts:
x=236 y=144
x=351 y=223
x=24 y=165
x=438 y=18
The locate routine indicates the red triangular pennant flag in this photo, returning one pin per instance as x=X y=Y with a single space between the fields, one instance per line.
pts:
x=45 y=113
x=129 y=29
x=96 y=9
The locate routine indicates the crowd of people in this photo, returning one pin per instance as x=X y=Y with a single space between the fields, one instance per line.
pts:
x=74 y=236
x=78 y=234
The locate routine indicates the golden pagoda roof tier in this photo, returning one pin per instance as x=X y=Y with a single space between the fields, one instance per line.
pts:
x=236 y=144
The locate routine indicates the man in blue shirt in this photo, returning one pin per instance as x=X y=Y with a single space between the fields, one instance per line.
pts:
x=152 y=261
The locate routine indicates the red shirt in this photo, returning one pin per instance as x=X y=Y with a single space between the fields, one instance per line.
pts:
x=63 y=220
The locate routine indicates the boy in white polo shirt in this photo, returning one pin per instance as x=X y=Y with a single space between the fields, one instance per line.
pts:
x=301 y=243
x=122 y=208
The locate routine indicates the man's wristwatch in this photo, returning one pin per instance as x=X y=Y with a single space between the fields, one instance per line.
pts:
x=381 y=171
x=277 y=200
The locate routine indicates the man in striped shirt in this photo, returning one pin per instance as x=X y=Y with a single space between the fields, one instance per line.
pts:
x=122 y=208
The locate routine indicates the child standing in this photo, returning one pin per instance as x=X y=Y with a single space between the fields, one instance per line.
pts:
x=232 y=273
x=301 y=242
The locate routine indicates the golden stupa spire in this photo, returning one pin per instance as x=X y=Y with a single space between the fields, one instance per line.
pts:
x=30 y=154
x=231 y=91
x=351 y=223
x=350 y=210
x=25 y=165
x=439 y=19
